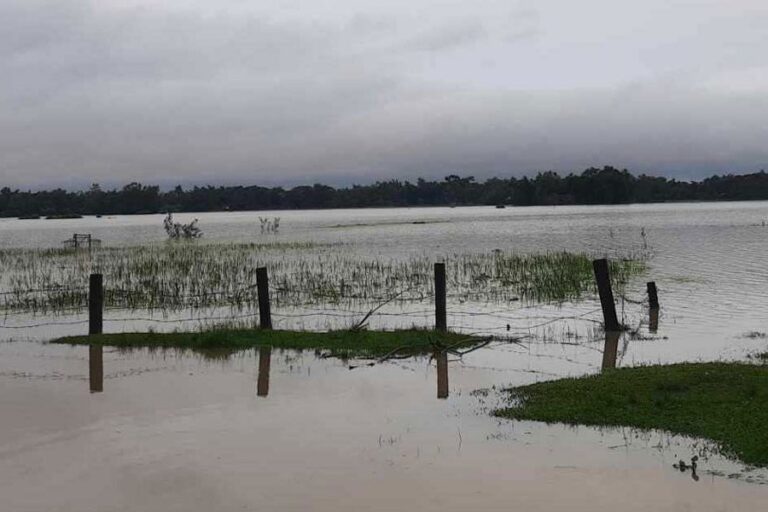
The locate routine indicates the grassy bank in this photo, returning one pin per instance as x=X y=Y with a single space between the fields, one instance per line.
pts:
x=724 y=402
x=338 y=343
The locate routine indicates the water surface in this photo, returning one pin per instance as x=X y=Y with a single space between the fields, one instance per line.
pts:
x=294 y=431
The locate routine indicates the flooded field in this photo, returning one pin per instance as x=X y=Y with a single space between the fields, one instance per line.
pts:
x=95 y=430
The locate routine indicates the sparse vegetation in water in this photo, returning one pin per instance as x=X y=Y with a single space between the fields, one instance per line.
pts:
x=191 y=276
x=760 y=357
x=178 y=231
x=343 y=343
x=724 y=402
x=269 y=225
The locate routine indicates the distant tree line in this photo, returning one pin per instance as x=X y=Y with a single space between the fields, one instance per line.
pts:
x=593 y=186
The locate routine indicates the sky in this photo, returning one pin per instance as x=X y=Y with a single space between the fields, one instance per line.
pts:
x=303 y=91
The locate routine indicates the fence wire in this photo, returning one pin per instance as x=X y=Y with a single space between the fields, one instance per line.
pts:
x=512 y=323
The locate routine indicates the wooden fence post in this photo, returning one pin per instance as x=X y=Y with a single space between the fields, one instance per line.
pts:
x=262 y=284
x=653 y=320
x=611 y=349
x=653 y=295
x=441 y=321
x=603 y=279
x=96 y=304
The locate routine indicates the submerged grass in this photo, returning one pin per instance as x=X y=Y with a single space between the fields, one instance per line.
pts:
x=348 y=343
x=724 y=402
x=181 y=276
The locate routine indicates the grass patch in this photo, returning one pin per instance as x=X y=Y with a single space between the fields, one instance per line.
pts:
x=192 y=276
x=724 y=402
x=344 y=344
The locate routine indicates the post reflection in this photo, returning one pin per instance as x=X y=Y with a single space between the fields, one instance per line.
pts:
x=653 y=320
x=442 y=374
x=96 y=368
x=611 y=349
x=265 y=360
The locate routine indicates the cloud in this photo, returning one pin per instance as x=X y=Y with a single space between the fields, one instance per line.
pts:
x=448 y=36
x=285 y=92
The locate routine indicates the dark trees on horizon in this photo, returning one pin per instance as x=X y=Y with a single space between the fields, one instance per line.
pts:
x=593 y=186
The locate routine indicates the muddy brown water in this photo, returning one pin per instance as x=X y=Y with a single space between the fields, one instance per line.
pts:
x=281 y=430
x=175 y=431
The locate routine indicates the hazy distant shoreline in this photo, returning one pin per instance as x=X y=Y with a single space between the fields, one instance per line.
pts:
x=606 y=186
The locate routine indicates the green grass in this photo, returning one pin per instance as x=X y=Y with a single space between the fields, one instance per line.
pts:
x=192 y=276
x=343 y=344
x=724 y=402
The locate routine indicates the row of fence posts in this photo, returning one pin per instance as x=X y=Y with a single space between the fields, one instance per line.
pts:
x=602 y=277
x=96 y=300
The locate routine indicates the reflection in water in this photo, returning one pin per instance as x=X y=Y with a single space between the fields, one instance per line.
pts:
x=610 y=351
x=442 y=374
x=682 y=466
x=653 y=320
x=265 y=359
x=130 y=435
x=96 y=368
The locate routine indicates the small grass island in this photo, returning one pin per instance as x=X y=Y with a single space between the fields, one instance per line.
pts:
x=724 y=402
x=341 y=343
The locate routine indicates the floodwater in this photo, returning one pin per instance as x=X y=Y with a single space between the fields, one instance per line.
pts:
x=87 y=429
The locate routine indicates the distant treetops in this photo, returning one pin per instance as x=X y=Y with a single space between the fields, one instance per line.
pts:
x=593 y=186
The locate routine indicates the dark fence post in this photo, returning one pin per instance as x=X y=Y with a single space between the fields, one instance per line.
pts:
x=653 y=320
x=262 y=284
x=441 y=321
x=611 y=349
x=653 y=295
x=603 y=279
x=96 y=304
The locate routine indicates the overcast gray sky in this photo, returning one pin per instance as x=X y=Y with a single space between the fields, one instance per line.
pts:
x=298 y=91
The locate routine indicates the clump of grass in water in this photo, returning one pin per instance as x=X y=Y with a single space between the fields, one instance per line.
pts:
x=175 y=277
x=342 y=344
